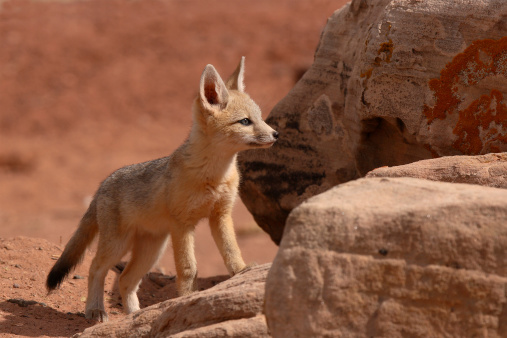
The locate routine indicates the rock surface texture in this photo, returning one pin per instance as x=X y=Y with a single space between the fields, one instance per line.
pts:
x=487 y=170
x=392 y=257
x=393 y=82
x=233 y=308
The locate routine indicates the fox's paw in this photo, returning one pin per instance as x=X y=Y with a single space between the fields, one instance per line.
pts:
x=97 y=314
x=247 y=267
x=187 y=287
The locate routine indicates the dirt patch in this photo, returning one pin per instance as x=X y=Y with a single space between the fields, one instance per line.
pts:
x=26 y=309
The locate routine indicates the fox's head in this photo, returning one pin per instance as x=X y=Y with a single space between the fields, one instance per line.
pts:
x=227 y=116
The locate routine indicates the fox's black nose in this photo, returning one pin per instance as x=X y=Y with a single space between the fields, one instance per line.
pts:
x=275 y=134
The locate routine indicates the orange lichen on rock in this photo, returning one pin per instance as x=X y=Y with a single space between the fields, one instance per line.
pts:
x=486 y=113
x=386 y=48
x=479 y=123
x=367 y=73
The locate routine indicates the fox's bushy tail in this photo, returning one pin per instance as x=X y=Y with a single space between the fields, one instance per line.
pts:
x=75 y=249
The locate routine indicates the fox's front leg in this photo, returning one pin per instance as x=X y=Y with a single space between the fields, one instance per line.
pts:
x=184 y=258
x=222 y=230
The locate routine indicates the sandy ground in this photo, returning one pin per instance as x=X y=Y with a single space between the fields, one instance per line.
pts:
x=89 y=86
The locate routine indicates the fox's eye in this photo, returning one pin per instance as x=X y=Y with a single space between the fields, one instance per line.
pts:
x=245 y=122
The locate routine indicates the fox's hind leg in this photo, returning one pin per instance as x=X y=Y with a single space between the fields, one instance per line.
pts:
x=146 y=252
x=110 y=250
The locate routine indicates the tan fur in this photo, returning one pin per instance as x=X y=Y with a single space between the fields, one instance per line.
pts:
x=139 y=206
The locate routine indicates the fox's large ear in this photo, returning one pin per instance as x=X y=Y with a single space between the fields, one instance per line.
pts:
x=235 y=81
x=212 y=90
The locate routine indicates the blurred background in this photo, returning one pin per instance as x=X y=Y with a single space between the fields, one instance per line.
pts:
x=89 y=86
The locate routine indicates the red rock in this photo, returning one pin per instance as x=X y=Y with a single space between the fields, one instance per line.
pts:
x=393 y=82
x=392 y=257
x=487 y=170
x=233 y=308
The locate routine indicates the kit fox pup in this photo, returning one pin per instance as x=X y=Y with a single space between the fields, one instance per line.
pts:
x=138 y=206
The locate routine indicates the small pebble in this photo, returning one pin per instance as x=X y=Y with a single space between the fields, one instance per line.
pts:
x=17 y=266
x=78 y=277
x=15 y=285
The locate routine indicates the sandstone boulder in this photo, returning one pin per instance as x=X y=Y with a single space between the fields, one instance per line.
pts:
x=393 y=82
x=392 y=257
x=233 y=308
x=488 y=170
